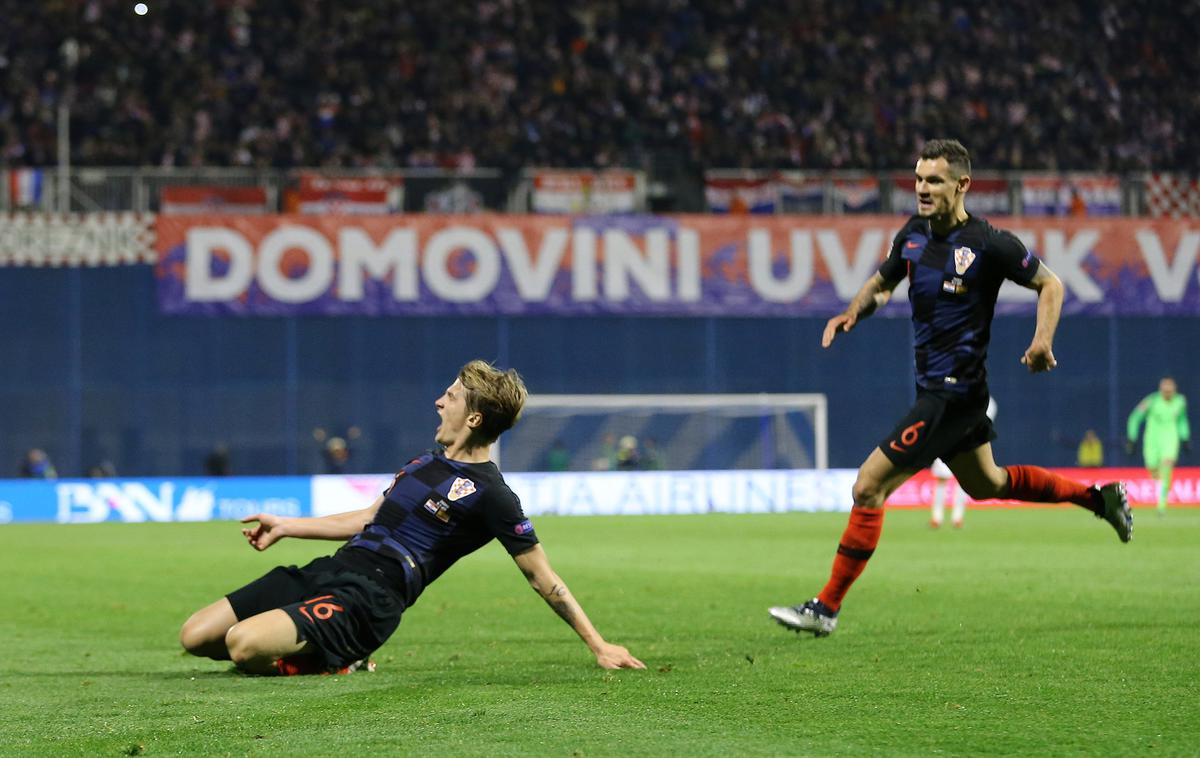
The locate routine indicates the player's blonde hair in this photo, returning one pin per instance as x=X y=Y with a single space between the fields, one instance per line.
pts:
x=498 y=395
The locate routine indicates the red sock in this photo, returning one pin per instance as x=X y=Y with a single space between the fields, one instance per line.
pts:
x=299 y=665
x=1036 y=484
x=855 y=549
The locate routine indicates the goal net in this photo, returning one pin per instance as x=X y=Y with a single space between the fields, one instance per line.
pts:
x=668 y=432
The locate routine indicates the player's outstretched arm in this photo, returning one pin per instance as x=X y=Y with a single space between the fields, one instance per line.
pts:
x=873 y=295
x=1040 y=354
x=269 y=528
x=536 y=568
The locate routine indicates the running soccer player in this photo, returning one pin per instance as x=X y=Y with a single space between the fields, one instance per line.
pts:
x=1167 y=431
x=330 y=615
x=955 y=264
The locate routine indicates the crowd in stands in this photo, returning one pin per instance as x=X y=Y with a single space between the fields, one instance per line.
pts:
x=1091 y=84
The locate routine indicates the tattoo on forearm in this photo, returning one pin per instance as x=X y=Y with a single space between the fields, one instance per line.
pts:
x=560 y=600
x=564 y=608
x=867 y=301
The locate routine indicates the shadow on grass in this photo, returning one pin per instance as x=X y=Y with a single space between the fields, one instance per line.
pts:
x=126 y=674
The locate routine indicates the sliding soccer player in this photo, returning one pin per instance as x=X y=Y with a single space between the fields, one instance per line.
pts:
x=330 y=615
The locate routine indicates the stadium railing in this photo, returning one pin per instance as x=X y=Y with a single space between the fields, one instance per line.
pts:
x=139 y=189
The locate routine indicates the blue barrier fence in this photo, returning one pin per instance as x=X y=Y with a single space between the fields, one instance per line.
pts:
x=93 y=372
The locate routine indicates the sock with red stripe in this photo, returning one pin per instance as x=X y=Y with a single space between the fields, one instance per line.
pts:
x=1036 y=484
x=855 y=549
x=303 y=665
x=300 y=665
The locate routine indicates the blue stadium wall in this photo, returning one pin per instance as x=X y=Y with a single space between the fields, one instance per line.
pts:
x=93 y=372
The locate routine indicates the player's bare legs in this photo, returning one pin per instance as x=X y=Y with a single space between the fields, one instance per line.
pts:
x=938 y=509
x=877 y=479
x=258 y=642
x=978 y=474
x=203 y=634
x=959 y=507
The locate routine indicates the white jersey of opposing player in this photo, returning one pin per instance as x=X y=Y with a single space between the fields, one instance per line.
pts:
x=939 y=468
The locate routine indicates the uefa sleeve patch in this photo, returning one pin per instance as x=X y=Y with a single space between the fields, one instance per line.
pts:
x=525 y=527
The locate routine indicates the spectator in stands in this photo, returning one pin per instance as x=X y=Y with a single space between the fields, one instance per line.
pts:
x=217 y=462
x=337 y=455
x=335 y=449
x=1091 y=450
x=607 y=460
x=558 y=458
x=592 y=84
x=103 y=470
x=37 y=465
x=629 y=458
x=651 y=457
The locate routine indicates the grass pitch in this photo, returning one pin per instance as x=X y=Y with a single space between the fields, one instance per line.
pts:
x=1027 y=632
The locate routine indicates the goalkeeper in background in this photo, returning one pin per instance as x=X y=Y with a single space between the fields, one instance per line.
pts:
x=1167 y=431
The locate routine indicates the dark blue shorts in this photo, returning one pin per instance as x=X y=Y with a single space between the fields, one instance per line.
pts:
x=345 y=614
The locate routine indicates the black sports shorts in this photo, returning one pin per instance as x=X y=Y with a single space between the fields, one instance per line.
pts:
x=344 y=613
x=940 y=424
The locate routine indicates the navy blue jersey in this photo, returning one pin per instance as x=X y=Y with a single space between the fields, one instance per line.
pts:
x=953 y=282
x=436 y=511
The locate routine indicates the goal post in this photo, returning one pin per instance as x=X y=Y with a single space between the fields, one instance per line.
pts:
x=664 y=431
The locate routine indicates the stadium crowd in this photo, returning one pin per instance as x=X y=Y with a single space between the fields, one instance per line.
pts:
x=507 y=83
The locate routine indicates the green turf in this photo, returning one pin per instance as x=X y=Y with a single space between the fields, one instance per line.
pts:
x=1028 y=632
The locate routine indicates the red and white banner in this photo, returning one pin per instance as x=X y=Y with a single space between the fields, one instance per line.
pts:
x=1173 y=196
x=27 y=187
x=1071 y=194
x=192 y=200
x=348 y=196
x=801 y=193
x=1141 y=488
x=765 y=192
x=613 y=191
x=857 y=195
x=741 y=195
